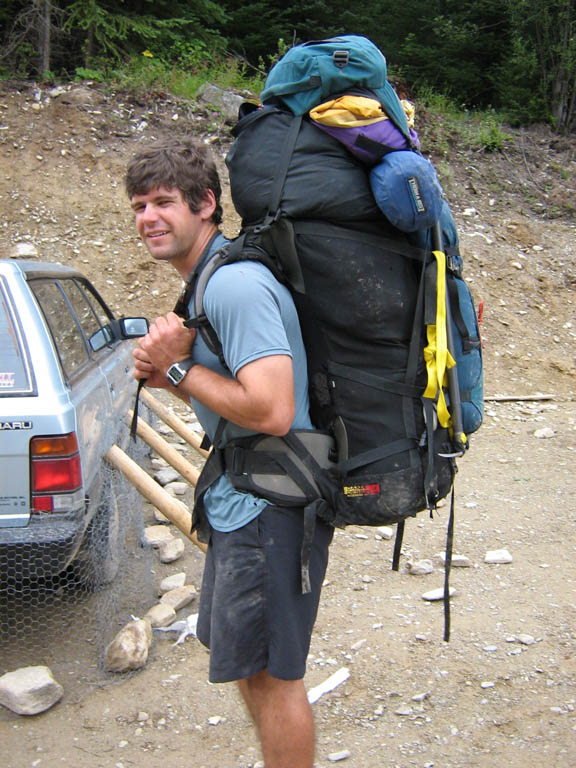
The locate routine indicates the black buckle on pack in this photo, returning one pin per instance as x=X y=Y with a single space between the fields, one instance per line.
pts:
x=267 y=223
x=341 y=58
x=453 y=263
x=236 y=461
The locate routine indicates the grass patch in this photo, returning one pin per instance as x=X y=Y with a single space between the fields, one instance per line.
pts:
x=445 y=125
x=146 y=73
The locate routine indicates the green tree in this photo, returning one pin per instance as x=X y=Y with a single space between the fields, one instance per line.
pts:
x=112 y=29
x=543 y=59
x=28 y=31
x=451 y=46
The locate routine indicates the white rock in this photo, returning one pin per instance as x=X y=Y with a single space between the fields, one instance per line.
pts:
x=458 y=561
x=420 y=697
x=160 y=518
x=498 y=556
x=179 y=597
x=226 y=101
x=171 y=550
x=358 y=645
x=181 y=446
x=335 y=757
x=167 y=475
x=437 y=594
x=29 y=690
x=385 y=531
x=172 y=582
x=216 y=720
x=420 y=568
x=57 y=91
x=487 y=684
x=25 y=251
x=129 y=649
x=526 y=639
x=404 y=711
x=154 y=535
x=544 y=433
x=177 y=488
x=160 y=615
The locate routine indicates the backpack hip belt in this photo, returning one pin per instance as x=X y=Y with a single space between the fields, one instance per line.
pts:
x=287 y=471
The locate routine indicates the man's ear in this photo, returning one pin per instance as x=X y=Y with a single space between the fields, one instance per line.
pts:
x=207 y=206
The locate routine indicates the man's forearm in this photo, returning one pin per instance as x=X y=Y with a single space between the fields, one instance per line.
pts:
x=261 y=397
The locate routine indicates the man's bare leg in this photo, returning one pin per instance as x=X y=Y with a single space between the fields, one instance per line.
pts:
x=283 y=717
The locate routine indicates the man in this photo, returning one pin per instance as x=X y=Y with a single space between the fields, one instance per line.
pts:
x=253 y=615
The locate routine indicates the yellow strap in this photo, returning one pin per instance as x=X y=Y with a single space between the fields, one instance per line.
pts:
x=436 y=355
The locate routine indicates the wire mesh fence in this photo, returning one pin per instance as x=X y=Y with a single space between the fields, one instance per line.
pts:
x=62 y=603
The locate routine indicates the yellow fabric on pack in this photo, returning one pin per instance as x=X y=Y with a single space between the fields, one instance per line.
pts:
x=436 y=355
x=409 y=111
x=348 y=111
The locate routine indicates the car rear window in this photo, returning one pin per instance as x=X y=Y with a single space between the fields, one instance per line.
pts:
x=70 y=343
x=15 y=371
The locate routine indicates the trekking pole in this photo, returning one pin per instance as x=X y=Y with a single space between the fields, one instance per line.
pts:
x=453 y=387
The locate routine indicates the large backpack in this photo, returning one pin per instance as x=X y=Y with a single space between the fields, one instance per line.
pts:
x=383 y=313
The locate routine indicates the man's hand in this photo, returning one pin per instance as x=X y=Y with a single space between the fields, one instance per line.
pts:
x=168 y=341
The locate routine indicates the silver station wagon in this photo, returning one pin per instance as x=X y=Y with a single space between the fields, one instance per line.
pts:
x=65 y=389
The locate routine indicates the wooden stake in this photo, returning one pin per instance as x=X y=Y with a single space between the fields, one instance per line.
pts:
x=172 y=421
x=174 y=509
x=169 y=454
x=517 y=398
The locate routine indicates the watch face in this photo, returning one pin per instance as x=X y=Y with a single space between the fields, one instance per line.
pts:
x=175 y=374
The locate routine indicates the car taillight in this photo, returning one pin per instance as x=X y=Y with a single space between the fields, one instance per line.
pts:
x=55 y=469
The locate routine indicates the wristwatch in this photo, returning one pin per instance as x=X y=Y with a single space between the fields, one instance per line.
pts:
x=177 y=371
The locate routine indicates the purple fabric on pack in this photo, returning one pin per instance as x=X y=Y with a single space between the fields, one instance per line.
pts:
x=369 y=142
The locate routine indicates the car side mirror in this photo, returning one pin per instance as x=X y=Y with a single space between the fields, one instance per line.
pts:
x=124 y=328
x=133 y=327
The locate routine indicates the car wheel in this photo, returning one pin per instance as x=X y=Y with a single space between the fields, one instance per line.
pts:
x=98 y=559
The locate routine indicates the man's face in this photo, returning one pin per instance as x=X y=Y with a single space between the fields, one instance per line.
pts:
x=165 y=223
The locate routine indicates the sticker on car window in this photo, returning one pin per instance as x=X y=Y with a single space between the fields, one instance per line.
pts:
x=7 y=380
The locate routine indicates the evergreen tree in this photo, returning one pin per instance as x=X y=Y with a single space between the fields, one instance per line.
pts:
x=112 y=29
x=539 y=76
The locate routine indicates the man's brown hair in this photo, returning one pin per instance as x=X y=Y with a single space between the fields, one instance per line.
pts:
x=182 y=164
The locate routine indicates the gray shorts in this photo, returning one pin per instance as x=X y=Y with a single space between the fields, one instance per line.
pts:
x=252 y=614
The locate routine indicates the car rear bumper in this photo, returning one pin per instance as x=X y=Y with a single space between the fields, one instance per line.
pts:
x=42 y=549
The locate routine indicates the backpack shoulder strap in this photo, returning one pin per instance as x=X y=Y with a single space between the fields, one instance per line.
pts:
x=237 y=250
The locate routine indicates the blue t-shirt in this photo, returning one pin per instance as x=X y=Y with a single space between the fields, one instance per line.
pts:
x=254 y=316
